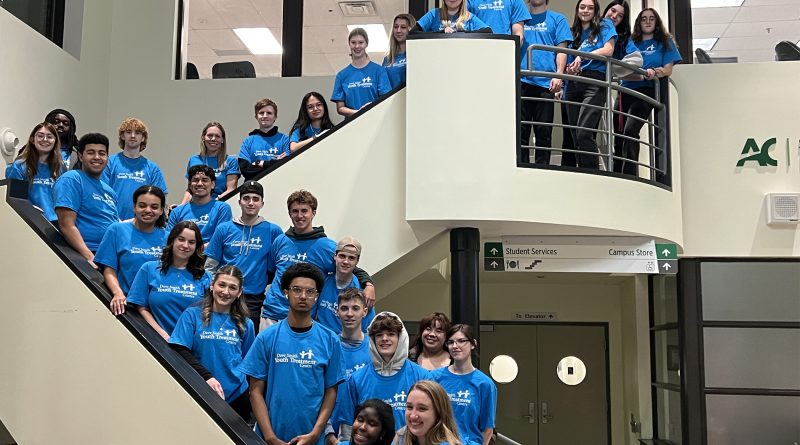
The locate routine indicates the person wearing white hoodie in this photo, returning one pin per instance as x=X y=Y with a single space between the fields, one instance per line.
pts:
x=245 y=243
x=389 y=377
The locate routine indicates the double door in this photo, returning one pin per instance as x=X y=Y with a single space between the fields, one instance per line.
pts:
x=560 y=394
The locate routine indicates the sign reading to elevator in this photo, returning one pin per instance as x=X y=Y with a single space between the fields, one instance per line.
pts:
x=580 y=254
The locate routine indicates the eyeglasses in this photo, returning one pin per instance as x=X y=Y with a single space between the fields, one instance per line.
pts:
x=45 y=137
x=314 y=106
x=458 y=341
x=645 y=18
x=297 y=291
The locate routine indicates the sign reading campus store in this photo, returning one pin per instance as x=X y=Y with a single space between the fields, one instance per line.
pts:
x=598 y=254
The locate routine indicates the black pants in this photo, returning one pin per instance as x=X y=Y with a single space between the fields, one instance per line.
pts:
x=254 y=303
x=242 y=406
x=586 y=117
x=567 y=158
x=630 y=127
x=536 y=111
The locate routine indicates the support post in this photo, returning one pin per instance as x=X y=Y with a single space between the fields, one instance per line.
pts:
x=464 y=256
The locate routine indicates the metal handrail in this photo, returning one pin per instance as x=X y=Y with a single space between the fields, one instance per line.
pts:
x=657 y=141
x=505 y=440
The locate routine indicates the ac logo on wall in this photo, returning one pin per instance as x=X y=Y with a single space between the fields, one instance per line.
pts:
x=755 y=155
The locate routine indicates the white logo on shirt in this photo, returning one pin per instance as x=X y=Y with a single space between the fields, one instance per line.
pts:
x=151 y=251
x=303 y=359
x=398 y=401
x=461 y=398
x=229 y=336
x=137 y=176
x=185 y=290
x=538 y=27
x=43 y=181
x=497 y=5
x=364 y=83
x=106 y=199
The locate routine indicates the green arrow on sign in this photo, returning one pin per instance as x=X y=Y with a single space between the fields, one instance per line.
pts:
x=493 y=250
x=666 y=252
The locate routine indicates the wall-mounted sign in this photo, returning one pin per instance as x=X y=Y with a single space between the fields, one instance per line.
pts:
x=600 y=254
x=534 y=316
x=755 y=155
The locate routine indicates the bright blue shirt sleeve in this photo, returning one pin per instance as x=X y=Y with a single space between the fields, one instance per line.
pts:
x=607 y=34
x=244 y=150
x=40 y=191
x=337 y=95
x=125 y=249
x=384 y=86
x=166 y=295
x=500 y=16
x=430 y=21
x=93 y=201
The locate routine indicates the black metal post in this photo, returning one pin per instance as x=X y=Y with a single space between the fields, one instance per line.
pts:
x=292 y=41
x=464 y=254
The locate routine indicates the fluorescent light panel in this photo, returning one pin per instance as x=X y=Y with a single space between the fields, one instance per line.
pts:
x=716 y=3
x=378 y=40
x=259 y=41
x=705 y=44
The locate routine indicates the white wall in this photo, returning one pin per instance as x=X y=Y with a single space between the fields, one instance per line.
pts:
x=38 y=76
x=72 y=373
x=721 y=107
x=461 y=157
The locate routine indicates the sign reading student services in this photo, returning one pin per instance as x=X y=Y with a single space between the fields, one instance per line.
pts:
x=580 y=254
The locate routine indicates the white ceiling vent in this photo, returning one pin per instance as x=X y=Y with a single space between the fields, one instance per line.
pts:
x=358 y=8
x=783 y=208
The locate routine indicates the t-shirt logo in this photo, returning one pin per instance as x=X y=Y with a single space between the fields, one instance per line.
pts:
x=496 y=5
x=652 y=47
x=43 y=181
x=150 y=251
x=203 y=220
x=366 y=82
x=106 y=199
x=302 y=256
x=307 y=354
x=188 y=286
x=137 y=176
x=256 y=240
x=461 y=398
x=303 y=359
x=400 y=396
x=229 y=332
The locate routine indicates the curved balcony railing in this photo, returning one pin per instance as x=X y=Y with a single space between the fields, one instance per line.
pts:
x=657 y=165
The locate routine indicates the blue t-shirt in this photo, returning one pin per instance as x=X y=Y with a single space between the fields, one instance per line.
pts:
x=654 y=55
x=499 y=14
x=326 y=309
x=358 y=86
x=286 y=251
x=622 y=49
x=297 y=368
x=66 y=156
x=607 y=33
x=355 y=358
x=124 y=248
x=430 y=22
x=246 y=247
x=94 y=202
x=309 y=133
x=40 y=192
x=474 y=400
x=219 y=347
x=397 y=70
x=166 y=295
x=125 y=175
x=366 y=383
x=221 y=174
x=207 y=216
x=549 y=28
x=258 y=146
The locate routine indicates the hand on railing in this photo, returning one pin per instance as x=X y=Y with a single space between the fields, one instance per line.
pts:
x=575 y=66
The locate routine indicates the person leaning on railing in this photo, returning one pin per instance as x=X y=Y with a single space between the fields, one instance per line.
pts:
x=592 y=35
x=659 y=54
x=451 y=17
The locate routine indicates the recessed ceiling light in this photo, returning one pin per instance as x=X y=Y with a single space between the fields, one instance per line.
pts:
x=259 y=41
x=705 y=44
x=716 y=3
x=378 y=40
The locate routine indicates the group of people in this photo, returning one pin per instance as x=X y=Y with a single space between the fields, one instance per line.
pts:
x=649 y=46
x=274 y=321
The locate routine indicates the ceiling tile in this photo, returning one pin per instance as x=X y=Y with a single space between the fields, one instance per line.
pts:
x=704 y=16
x=223 y=39
x=317 y=65
x=238 y=13
x=746 y=43
x=271 y=11
x=774 y=28
x=706 y=31
x=203 y=16
x=322 y=13
x=767 y=13
x=769 y=2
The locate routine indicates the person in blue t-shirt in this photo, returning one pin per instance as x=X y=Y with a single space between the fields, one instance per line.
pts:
x=265 y=145
x=66 y=129
x=452 y=16
x=504 y=16
x=388 y=378
x=312 y=121
x=245 y=243
x=373 y=424
x=127 y=245
x=214 y=153
x=302 y=243
x=550 y=28
x=295 y=367
x=348 y=253
x=618 y=12
x=351 y=311
x=202 y=210
x=214 y=337
x=129 y=170
x=429 y=417
x=593 y=35
x=163 y=289
x=40 y=165
x=472 y=393
x=659 y=55
x=360 y=83
x=395 y=61
x=84 y=204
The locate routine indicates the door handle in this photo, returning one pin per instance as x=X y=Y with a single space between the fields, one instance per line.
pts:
x=545 y=416
x=531 y=416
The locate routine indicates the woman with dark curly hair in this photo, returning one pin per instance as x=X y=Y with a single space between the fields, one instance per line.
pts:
x=428 y=350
